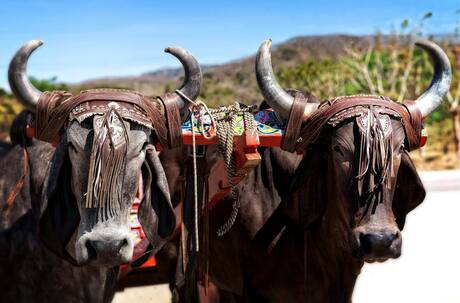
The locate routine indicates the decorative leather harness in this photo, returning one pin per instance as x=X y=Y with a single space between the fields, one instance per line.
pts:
x=55 y=109
x=301 y=132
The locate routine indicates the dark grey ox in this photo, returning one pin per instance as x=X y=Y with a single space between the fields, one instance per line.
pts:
x=49 y=204
x=308 y=223
x=29 y=272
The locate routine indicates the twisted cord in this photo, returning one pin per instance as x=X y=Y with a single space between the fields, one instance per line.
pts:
x=223 y=119
x=225 y=133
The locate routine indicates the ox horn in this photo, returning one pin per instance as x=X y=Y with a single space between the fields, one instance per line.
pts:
x=280 y=100
x=440 y=83
x=20 y=84
x=191 y=86
x=275 y=96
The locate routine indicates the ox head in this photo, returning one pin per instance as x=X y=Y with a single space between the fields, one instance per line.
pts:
x=106 y=148
x=356 y=175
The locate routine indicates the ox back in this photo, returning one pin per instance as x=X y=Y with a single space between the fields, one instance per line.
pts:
x=4 y=147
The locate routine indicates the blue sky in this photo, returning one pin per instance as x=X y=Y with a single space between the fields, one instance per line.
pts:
x=89 y=39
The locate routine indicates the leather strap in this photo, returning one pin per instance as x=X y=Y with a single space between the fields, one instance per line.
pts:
x=54 y=109
x=313 y=126
x=294 y=122
x=173 y=120
x=263 y=240
x=413 y=133
x=50 y=117
x=188 y=269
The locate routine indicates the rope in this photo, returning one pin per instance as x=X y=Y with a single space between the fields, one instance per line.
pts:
x=226 y=118
x=196 y=115
x=223 y=120
x=225 y=132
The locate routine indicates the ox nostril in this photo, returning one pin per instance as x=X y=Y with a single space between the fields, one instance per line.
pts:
x=92 y=252
x=105 y=251
x=122 y=244
x=366 y=243
x=377 y=242
x=387 y=239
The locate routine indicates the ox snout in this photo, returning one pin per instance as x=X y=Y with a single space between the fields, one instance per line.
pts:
x=378 y=245
x=107 y=248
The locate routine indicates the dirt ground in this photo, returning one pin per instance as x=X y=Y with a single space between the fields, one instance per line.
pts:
x=144 y=294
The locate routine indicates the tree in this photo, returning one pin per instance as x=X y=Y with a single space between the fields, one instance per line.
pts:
x=48 y=84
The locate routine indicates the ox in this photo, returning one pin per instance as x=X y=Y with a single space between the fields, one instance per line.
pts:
x=29 y=272
x=307 y=223
x=52 y=205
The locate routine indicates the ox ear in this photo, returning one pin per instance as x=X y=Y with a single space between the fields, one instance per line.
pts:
x=307 y=198
x=59 y=215
x=156 y=213
x=409 y=191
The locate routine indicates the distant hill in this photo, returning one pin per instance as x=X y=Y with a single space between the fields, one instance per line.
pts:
x=235 y=80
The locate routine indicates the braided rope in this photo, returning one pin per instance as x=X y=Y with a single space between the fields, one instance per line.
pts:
x=223 y=119
x=225 y=133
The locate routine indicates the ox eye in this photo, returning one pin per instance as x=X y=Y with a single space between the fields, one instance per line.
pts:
x=144 y=146
x=337 y=149
x=402 y=147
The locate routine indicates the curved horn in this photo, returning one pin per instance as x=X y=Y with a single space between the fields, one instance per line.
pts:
x=275 y=96
x=20 y=85
x=191 y=86
x=440 y=83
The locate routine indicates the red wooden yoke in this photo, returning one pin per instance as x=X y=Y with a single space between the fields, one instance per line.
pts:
x=268 y=132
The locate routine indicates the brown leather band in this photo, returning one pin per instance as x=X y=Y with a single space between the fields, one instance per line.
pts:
x=173 y=120
x=413 y=133
x=314 y=125
x=294 y=122
x=50 y=117
x=54 y=109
